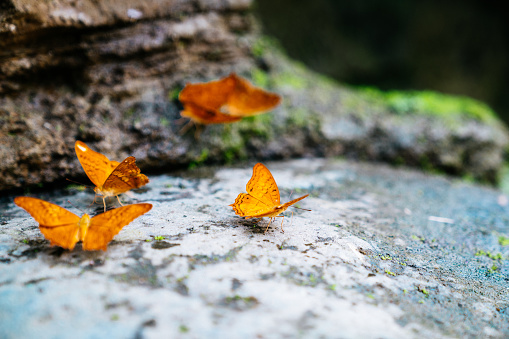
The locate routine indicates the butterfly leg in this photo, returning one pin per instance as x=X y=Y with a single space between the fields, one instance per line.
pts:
x=104 y=203
x=181 y=121
x=93 y=202
x=270 y=221
x=197 y=132
x=186 y=127
x=281 y=216
x=119 y=200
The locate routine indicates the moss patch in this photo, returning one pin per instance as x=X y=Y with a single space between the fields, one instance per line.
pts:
x=431 y=103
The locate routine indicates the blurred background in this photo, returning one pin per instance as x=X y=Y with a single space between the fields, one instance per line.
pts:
x=458 y=47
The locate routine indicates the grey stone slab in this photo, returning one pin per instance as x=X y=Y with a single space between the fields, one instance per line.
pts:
x=384 y=252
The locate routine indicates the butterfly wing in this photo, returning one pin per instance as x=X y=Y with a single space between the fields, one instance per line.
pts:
x=96 y=165
x=263 y=186
x=57 y=224
x=105 y=226
x=125 y=177
x=206 y=116
x=247 y=100
x=262 y=194
x=210 y=95
x=246 y=205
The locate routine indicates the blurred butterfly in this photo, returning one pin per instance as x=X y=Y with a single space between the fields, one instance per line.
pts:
x=111 y=178
x=224 y=101
x=262 y=198
x=64 y=228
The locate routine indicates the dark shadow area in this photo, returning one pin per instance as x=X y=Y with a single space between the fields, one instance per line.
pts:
x=457 y=48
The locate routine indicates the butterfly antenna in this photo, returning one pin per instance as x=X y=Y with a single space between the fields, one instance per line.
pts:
x=79 y=209
x=291 y=192
x=282 y=230
x=301 y=208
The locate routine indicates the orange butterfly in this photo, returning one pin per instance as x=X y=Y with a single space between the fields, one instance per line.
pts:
x=111 y=178
x=224 y=101
x=262 y=198
x=65 y=229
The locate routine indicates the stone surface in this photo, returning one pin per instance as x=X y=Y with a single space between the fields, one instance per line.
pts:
x=109 y=74
x=384 y=253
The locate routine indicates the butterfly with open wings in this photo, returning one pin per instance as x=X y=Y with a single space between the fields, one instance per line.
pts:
x=64 y=228
x=224 y=101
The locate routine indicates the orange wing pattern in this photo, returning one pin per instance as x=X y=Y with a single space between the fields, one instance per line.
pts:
x=57 y=224
x=110 y=177
x=124 y=177
x=208 y=95
x=65 y=229
x=224 y=101
x=96 y=165
x=263 y=186
x=247 y=100
x=105 y=226
x=46 y=213
x=206 y=116
x=262 y=198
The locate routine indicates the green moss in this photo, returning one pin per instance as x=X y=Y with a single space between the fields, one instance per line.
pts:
x=264 y=44
x=385 y=257
x=260 y=78
x=503 y=241
x=114 y=317
x=183 y=329
x=490 y=255
x=73 y=187
x=504 y=179
x=164 y=122
x=235 y=136
x=290 y=79
x=430 y=103
x=390 y=273
x=416 y=238
x=201 y=159
x=233 y=144
x=298 y=116
x=174 y=93
x=258 y=125
x=159 y=237
x=425 y=163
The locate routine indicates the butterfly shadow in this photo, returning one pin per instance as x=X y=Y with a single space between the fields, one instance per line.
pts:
x=42 y=249
x=254 y=225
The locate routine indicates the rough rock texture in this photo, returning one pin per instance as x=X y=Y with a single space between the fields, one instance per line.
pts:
x=108 y=74
x=383 y=253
